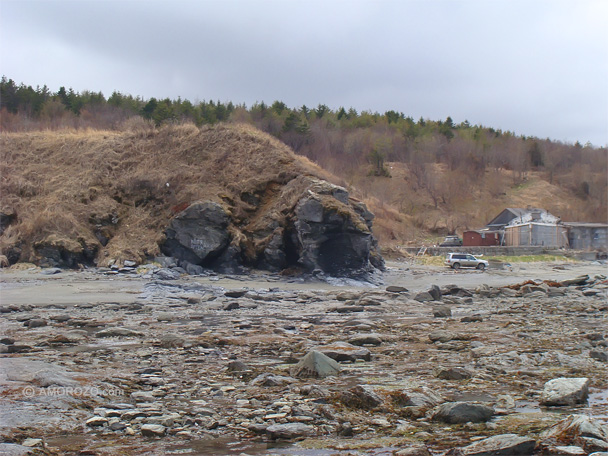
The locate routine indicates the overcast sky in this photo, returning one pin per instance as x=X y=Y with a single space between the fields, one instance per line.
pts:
x=535 y=67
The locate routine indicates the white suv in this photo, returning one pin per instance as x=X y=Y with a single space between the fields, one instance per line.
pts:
x=464 y=260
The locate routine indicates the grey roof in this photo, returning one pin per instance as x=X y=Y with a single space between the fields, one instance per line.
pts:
x=511 y=213
x=519 y=211
x=503 y=218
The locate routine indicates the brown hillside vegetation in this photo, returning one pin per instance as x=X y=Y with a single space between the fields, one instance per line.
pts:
x=111 y=194
x=415 y=205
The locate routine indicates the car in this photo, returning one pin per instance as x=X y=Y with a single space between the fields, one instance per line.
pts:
x=464 y=260
x=451 y=241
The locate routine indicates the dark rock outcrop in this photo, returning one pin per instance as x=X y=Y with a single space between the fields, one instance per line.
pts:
x=329 y=239
x=198 y=234
x=7 y=216
x=307 y=223
x=58 y=251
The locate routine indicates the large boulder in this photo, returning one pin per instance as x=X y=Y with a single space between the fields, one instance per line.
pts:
x=289 y=431
x=316 y=364
x=463 y=412
x=590 y=435
x=313 y=225
x=501 y=445
x=565 y=391
x=198 y=234
x=329 y=239
x=332 y=232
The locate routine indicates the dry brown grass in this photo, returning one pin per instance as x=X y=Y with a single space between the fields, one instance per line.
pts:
x=65 y=185
x=406 y=212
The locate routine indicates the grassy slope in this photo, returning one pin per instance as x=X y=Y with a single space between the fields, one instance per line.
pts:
x=63 y=184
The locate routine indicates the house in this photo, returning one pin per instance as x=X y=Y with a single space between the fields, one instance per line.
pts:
x=516 y=226
x=587 y=236
x=481 y=238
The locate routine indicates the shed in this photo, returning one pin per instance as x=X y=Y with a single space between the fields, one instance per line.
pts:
x=587 y=236
x=481 y=238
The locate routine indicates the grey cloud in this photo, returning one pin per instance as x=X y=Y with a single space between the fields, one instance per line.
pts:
x=537 y=67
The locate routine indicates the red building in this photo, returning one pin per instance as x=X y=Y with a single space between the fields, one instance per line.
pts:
x=481 y=238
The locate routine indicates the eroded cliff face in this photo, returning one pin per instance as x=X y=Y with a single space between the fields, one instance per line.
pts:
x=306 y=223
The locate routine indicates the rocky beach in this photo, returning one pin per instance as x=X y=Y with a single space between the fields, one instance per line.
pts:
x=424 y=361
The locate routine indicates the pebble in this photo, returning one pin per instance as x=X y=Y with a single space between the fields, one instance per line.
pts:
x=442 y=311
x=344 y=351
x=366 y=339
x=413 y=450
x=569 y=450
x=153 y=430
x=97 y=421
x=143 y=396
x=424 y=296
x=30 y=442
x=452 y=373
x=118 y=332
x=166 y=316
x=117 y=425
x=396 y=289
x=601 y=356
x=36 y=323
x=289 y=431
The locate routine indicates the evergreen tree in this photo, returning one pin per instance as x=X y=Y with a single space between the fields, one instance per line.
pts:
x=321 y=111
x=278 y=107
x=149 y=108
x=291 y=121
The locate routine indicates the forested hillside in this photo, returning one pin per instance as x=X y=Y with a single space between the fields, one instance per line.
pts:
x=422 y=178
